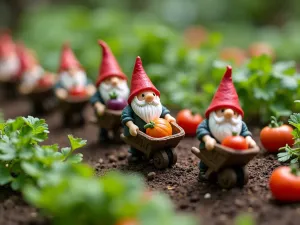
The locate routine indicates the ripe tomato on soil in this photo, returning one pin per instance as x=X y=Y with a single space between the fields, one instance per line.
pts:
x=284 y=185
x=276 y=136
x=235 y=142
x=188 y=121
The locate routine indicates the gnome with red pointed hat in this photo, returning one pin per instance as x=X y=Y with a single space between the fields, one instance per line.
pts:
x=9 y=60
x=72 y=77
x=111 y=82
x=223 y=117
x=143 y=105
x=35 y=82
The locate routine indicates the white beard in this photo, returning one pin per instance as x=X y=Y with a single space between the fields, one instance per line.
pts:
x=32 y=77
x=147 y=111
x=222 y=128
x=68 y=81
x=9 y=67
x=121 y=90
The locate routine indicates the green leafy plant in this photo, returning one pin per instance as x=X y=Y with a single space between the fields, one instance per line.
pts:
x=22 y=159
x=292 y=154
x=106 y=200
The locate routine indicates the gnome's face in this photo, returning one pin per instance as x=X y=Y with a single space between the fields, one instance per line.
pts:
x=113 y=84
x=9 y=65
x=73 y=77
x=223 y=122
x=32 y=76
x=147 y=106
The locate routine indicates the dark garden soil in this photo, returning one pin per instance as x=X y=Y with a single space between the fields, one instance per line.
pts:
x=208 y=202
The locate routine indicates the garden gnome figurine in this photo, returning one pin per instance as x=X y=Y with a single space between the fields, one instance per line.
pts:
x=111 y=80
x=223 y=117
x=143 y=106
x=9 y=60
x=35 y=81
x=71 y=75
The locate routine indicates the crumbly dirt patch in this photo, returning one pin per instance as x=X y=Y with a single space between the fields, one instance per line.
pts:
x=208 y=202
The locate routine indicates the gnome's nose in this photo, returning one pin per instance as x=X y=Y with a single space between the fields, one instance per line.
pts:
x=228 y=114
x=114 y=81
x=149 y=98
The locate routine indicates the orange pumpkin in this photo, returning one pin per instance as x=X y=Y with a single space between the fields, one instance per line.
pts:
x=158 y=128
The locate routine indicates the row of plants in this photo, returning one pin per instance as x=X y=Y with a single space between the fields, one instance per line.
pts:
x=54 y=180
x=194 y=73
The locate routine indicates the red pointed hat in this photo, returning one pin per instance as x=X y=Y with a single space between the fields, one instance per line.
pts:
x=26 y=57
x=6 y=44
x=68 y=59
x=140 y=81
x=109 y=66
x=225 y=96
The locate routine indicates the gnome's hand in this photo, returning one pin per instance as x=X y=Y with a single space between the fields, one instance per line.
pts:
x=209 y=142
x=170 y=118
x=61 y=93
x=25 y=89
x=251 y=143
x=90 y=89
x=132 y=128
x=100 y=108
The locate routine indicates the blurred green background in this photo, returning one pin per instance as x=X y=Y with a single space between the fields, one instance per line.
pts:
x=179 y=42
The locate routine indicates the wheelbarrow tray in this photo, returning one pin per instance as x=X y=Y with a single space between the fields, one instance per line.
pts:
x=111 y=119
x=40 y=93
x=148 y=145
x=222 y=156
x=73 y=103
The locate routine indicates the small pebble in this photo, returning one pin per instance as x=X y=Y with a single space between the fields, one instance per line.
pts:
x=151 y=175
x=207 y=196
x=100 y=161
x=122 y=155
x=112 y=158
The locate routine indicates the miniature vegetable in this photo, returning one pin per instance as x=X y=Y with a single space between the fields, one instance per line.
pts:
x=188 y=121
x=127 y=222
x=158 y=128
x=236 y=142
x=276 y=135
x=116 y=103
x=45 y=81
x=77 y=91
x=285 y=184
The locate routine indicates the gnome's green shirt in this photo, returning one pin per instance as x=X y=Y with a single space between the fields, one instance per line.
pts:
x=203 y=129
x=129 y=115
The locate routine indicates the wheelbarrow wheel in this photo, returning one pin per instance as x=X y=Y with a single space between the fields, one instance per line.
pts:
x=246 y=175
x=161 y=160
x=227 y=178
x=174 y=157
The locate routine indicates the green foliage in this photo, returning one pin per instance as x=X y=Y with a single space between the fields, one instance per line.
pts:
x=244 y=219
x=292 y=154
x=22 y=159
x=103 y=200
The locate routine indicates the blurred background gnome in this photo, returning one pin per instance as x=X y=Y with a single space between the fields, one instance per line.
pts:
x=143 y=106
x=223 y=118
x=111 y=81
x=35 y=82
x=72 y=77
x=9 y=64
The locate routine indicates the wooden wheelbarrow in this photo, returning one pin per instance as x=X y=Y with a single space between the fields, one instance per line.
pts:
x=226 y=165
x=161 y=150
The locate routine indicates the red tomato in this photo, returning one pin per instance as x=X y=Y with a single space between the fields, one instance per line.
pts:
x=237 y=55
x=235 y=142
x=188 y=121
x=260 y=48
x=284 y=185
x=127 y=222
x=78 y=91
x=45 y=81
x=273 y=138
